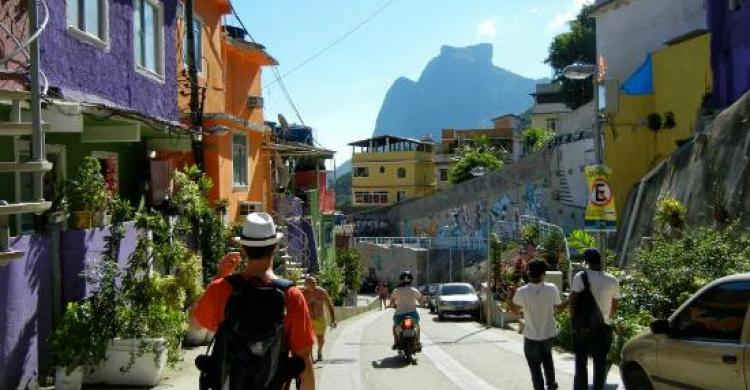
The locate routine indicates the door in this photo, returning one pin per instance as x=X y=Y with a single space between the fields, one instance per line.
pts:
x=706 y=345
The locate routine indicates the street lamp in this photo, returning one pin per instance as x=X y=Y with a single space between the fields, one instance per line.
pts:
x=580 y=71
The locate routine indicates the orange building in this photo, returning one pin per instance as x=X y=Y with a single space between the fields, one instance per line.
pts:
x=229 y=74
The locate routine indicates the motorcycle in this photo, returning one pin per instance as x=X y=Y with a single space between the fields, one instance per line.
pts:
x=408 y=343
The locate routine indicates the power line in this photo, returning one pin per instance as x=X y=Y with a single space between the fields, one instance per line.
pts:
x=334 y=43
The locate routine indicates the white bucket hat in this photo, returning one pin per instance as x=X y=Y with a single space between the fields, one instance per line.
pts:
x=259 y=230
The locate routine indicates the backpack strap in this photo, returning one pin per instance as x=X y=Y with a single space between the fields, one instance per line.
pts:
x=585 y=278
x=282 y=284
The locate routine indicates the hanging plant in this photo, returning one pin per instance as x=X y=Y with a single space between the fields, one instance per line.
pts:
x=669 y=121
x=654 y=121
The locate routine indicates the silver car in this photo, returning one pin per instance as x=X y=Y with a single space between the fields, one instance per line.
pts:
x=457 y=299
x=703 y=345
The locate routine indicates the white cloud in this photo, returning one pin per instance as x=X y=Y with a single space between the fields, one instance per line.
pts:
x=560 y=21
x=488 y=28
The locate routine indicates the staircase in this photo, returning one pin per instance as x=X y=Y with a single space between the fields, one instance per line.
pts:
x=290 y=264
x=566 y=196
x=15 y=128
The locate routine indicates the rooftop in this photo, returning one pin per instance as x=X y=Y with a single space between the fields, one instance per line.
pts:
x=388 y=139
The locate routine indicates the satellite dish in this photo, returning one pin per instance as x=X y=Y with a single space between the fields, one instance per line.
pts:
x=284 y=125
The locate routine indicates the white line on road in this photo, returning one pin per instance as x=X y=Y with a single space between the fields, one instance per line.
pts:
x=452 y=369
x=344 y=372
x=565 y=365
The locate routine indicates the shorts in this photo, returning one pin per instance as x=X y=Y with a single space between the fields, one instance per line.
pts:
x=399 y=316
x=319 y=325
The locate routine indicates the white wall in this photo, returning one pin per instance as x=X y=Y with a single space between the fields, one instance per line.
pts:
x=625 y=35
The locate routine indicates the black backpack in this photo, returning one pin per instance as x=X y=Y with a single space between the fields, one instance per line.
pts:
x=249 y=348
x=587 y=319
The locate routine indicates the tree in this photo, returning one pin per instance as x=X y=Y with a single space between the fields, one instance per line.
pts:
x=536 y=139
x=576 y=45
x=481 y=154
x=344 y=191
x=349 y=262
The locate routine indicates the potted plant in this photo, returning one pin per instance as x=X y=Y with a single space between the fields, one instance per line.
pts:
x=73 y=346
x=87 y=195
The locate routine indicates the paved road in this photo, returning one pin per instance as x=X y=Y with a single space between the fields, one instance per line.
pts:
x=457 y=354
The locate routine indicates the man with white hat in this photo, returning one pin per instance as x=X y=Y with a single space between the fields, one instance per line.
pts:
x=258 y=240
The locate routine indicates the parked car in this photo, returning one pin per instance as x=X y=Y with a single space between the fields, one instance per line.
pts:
x=428 y=293
x=457 y=299
x=703 y=345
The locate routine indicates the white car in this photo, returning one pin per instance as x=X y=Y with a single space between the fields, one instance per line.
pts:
x=457 y=299
x=703 y=345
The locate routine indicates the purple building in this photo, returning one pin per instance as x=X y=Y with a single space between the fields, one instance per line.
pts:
x=120 y=53
x=729 y=23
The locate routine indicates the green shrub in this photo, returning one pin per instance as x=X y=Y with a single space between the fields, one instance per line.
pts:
x=349 y=262
x=581 y=240
x=565 y=331
x=661 y=278
x=536 y=139
x=670 y=213
x=331 y=278
x=461 y=171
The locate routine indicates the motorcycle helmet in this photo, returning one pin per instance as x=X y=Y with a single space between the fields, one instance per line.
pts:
x=406 y=277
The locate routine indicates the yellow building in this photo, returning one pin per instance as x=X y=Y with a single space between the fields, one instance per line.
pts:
x=388 y=169
x=681 y=74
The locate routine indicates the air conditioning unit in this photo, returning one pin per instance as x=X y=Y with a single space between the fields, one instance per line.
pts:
x=255 y=102
x=250 y=207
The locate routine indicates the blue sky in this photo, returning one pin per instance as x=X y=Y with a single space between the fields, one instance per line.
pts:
x=340 y=92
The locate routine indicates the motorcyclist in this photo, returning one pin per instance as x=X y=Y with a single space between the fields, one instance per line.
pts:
x=405 y=299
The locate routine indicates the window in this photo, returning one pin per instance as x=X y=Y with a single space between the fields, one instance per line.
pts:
x=197 y=43
x=380 y=198
x=443 y=175
x=402 y=173
x=552 y=124
x=382 y=170
x=148 y=30
x=361 y=172
x=717 y=315
x=371 y=197
x=89 y=17
x=239 y=160
x=401 y=195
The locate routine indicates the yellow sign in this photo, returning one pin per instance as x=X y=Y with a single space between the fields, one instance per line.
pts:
x=600 y=211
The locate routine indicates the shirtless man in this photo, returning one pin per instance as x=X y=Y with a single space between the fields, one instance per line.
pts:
x=316 y=297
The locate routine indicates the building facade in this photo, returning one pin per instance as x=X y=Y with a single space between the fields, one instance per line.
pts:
x=658 y=74
x=730 y=49
x=389 y=169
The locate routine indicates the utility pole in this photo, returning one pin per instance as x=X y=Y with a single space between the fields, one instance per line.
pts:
x=196 y=109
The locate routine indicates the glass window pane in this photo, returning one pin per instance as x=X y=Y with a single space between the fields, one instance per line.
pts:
x=198 y=28
x=92 y=14
x=73 y=9
x=717 y=315
x=239 y=159
x=149 y=36
x=138 y=32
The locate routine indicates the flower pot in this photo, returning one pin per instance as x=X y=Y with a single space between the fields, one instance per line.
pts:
x=146 y=369
x=100 y=219
x=68 y=381
x=81 y=220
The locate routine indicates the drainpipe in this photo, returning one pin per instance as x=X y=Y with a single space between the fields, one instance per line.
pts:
x=196 y=111
x=636 y=208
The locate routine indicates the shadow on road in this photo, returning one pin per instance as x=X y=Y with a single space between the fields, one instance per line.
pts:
x=391 y=362
x=339 y=361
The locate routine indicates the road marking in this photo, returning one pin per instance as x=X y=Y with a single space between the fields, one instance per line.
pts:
x=451 y=368
x=563 y=362
x=345 y=371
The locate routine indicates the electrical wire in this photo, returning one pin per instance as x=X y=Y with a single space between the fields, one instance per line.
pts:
x=334 y=43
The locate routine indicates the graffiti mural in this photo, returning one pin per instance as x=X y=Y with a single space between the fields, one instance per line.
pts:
x=534 y=199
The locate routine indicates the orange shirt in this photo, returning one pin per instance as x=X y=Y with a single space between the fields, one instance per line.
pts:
x=300 y=337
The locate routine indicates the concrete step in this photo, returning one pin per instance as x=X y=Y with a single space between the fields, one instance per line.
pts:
x=10 y=256
x=35 y=166
x=13 y=129
x=20 y=208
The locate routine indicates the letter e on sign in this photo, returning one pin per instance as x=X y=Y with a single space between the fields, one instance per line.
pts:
x=601 y=193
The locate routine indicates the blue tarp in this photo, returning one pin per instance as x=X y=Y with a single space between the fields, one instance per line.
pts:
x=296 y=133
x=642 y=81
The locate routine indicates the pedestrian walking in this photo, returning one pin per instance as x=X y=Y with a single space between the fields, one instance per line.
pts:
x=383 y=295
x=260 y=309
x=317 y=300
x=594 y=302
x=538 y=301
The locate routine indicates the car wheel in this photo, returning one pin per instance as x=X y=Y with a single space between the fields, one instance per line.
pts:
x=441 y=316
x=636 y=379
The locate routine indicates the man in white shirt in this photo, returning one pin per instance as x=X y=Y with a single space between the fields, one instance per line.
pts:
x=606 y=291
x=538 y=301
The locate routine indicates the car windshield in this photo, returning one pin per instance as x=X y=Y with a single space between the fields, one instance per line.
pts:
x=456 y=290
